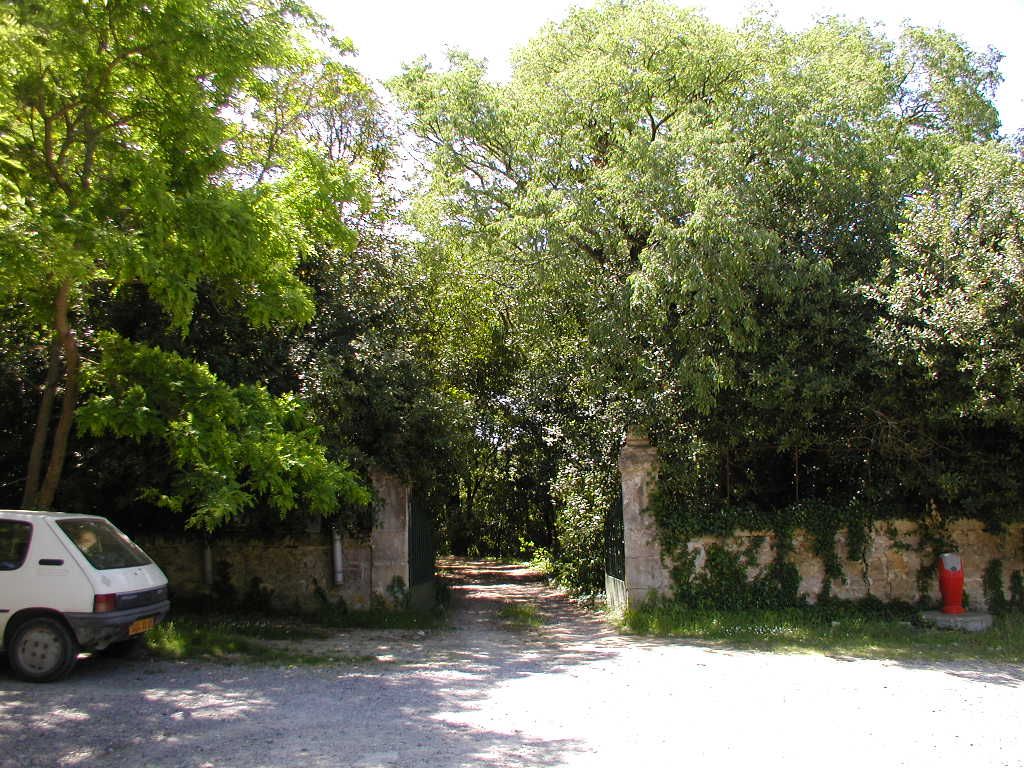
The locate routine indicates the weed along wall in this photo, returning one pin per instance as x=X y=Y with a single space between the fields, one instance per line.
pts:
x=893 y=559
x=302 y=571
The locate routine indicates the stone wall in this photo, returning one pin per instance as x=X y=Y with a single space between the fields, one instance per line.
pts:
x=291 y=568
x=889 y=570
x=298 y=571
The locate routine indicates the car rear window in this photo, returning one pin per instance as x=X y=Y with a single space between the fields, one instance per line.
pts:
x=14 y=539
x=103 y=545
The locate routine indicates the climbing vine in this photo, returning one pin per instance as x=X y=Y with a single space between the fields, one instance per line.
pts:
x=688 y=507
x=687 y=504
x=996 y=600
x=725 y=581
x=933 y=538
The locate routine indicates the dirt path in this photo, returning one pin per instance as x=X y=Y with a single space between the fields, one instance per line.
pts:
x=569 y=693
x=479 y=589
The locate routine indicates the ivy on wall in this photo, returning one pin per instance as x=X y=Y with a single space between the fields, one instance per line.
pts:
x=739 y=579
x=996 y=600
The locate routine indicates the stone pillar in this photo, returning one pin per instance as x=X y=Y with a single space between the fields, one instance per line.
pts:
x=645 y=572
x=389 y=540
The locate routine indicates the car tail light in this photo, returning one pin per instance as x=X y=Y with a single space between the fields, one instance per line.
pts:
x=104 y=603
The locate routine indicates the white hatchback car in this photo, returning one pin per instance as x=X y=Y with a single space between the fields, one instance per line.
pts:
x=71 y=583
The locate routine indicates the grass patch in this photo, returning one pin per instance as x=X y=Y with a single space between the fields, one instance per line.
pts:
x=238 y=639
x=269 y=622
x=383 y=618
x=207 y=633
x=259 y=626
x=520 y=615
x=846 y=630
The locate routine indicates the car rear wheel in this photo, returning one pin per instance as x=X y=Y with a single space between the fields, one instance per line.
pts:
x=42 y=649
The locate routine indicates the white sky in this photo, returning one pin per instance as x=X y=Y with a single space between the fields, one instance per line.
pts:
x=391 y=32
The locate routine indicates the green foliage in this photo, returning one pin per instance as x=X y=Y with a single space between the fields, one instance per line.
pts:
x=732 y=580
x=1017 y=590
x=501 y=504
x=22 y=362
x=119 y=139
x=398 y=593
x=381 y=614
x=951 y=322
x=674 y=224
x=584 y=492
x=232 y=446
x=520 y=615
x=683 y=514
x=231 y=640
x=996 y=601
x=791 y=258
x=934 y=539
x=992 y=586
x=193 y=177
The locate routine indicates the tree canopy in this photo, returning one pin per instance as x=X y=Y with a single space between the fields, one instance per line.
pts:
x=159 y=147
x=679 y=225
x=791 y=257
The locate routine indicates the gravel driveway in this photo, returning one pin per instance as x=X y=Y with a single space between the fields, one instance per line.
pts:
x=572 y=693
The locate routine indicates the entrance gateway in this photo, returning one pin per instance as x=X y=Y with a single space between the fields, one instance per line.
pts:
x=641 y=569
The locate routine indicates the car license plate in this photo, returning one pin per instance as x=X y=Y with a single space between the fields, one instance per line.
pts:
x=142 y=625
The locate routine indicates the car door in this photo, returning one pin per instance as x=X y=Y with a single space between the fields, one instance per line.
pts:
x=15 y=540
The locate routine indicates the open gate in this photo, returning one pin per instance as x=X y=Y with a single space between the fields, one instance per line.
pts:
x=615 y=554
x=421 y=552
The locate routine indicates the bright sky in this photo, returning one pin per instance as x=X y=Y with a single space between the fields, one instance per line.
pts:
x=390 y=32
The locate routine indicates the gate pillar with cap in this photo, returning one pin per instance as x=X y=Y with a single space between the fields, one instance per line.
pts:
x=644 y=570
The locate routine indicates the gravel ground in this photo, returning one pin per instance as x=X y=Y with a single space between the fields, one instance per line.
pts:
x=572 y=693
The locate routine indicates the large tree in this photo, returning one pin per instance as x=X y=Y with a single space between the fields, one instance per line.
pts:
x=951 y=324
x=675 y=219
x=954 y=289
x=152 y=147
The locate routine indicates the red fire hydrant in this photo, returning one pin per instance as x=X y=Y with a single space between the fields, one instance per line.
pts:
x=951 y=582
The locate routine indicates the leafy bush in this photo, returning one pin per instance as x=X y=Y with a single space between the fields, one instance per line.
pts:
x=584 y=496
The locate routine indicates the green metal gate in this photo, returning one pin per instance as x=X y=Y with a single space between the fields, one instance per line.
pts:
x=421 y=543
x=615 y=554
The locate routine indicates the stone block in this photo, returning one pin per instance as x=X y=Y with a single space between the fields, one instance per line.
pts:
x=390 y=547
x=384 y=574
x=636 y=596
x=393 y=512
x=646 y=573
x=423 y=596
x=889 y=572
x=966 y=622
x=291 y=568
x=849 y=588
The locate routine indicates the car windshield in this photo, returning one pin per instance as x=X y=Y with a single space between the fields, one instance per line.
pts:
x=103 y=545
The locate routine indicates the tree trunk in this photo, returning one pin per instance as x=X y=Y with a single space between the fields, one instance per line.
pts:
x=43 y=418
x=72 y=366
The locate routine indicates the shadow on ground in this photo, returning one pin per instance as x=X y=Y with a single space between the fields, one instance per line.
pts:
x=158 y=713
x=422 y=711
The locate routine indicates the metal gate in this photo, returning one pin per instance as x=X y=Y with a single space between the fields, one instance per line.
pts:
x=421 y=543
x=615 y=554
